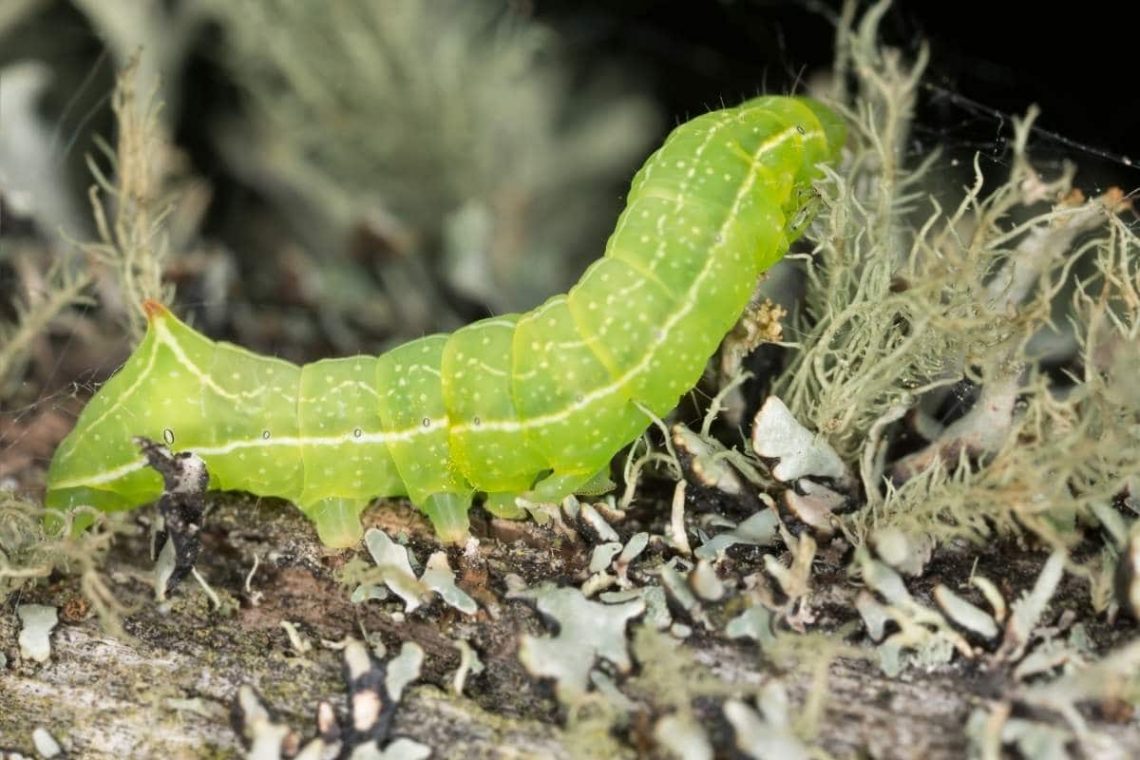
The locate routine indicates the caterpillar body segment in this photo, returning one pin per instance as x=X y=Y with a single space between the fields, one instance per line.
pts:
x=531 y=405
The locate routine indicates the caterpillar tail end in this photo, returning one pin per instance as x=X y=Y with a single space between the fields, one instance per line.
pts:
x=448 y=515
x=337 y=520
x=154 y=310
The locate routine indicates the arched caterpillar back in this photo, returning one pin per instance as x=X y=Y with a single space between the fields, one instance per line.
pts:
x=532 y=404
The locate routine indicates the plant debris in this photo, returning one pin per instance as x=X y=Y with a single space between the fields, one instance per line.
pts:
x=180 y=507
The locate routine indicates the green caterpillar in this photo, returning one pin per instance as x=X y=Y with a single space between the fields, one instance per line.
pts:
x=531 y=405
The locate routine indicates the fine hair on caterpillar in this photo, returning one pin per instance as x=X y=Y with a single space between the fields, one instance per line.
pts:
x=530 y=405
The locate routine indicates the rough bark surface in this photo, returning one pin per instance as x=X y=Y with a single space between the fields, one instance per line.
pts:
x=167 y=690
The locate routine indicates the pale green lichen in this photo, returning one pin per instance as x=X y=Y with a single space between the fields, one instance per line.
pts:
x=927 y=637
x=758 y=530
x=38 y=621
x=603 y=555
x=1027 y=611
x=776 y=434
x=394 y=570
x=439 y=578
x=682 y=736
x=754 y=623
x=657 y=615
x=924 y=636
x=469 y=664
x=586 y=632
x=403 y=669
x=965 y=614
x=767 y=733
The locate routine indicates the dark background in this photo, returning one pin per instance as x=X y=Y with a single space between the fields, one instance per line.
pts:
x=1078 y=65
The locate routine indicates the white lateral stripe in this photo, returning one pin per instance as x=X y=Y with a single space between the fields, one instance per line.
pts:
x=383 y=437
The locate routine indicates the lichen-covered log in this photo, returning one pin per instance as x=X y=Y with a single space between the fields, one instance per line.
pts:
x=167 y=690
